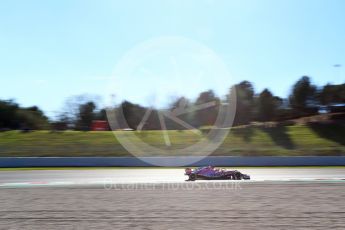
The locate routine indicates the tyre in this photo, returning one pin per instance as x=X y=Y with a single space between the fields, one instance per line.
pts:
x=238 y=176
x=192 y=177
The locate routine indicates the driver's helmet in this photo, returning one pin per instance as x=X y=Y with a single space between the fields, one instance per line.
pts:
x=188 y=171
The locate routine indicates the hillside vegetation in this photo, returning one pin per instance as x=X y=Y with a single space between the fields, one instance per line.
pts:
x=251 y=140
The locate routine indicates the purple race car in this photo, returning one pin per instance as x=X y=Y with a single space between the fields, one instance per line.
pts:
x=211 y=173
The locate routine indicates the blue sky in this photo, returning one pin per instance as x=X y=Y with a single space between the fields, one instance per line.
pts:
x=50 y=50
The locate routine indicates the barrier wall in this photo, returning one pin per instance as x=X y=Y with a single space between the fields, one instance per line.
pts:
x=171 y=161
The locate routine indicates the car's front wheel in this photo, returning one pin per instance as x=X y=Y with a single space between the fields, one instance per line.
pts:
x=192 y=177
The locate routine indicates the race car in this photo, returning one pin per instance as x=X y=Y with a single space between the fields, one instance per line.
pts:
x=212 y=173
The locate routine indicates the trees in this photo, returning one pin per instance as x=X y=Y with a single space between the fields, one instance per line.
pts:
x=32 y=118
x=181 y=107
x=244 y=103
x=303 y=96
x=7 y=114
x=332 y=94
x=209 y=106
x=132 y=115
x=85 y=115
x=62 y=123
x=81 y=110
x=267 y=106
x=12 y=116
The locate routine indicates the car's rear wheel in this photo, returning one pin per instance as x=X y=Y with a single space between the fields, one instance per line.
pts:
x=238 y=176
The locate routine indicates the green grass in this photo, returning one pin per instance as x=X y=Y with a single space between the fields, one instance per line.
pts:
x=293 y=140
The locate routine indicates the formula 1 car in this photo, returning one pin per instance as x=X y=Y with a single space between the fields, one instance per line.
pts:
x=211 y=173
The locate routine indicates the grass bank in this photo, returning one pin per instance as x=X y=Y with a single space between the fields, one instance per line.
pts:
x=294 y=140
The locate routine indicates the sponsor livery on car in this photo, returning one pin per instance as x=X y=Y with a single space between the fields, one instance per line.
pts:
x=211 y=173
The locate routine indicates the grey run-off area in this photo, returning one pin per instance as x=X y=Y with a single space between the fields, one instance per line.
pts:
x=294 y=198
x=263 y=205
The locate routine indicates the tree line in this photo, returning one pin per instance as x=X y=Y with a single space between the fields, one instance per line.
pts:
x=305 y=99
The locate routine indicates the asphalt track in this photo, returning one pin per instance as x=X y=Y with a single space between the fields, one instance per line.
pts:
x=156 y=175
x=276 y=198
